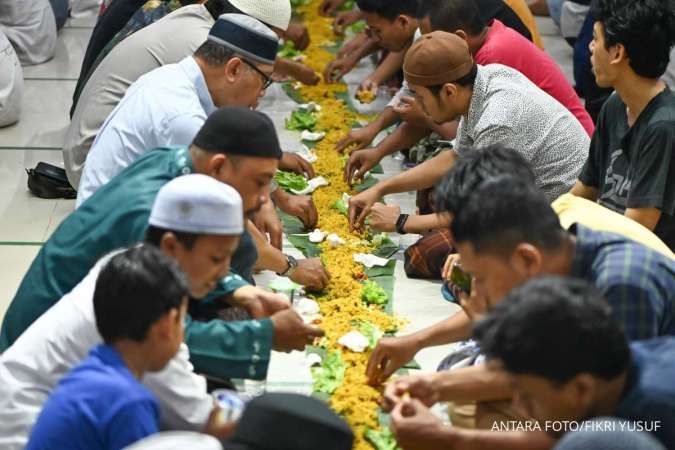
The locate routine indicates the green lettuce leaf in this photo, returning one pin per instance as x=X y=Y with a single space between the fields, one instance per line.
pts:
x=373 y=294
x=329 y=376
x=382 y=439
x=290 y=181
x=301 y=120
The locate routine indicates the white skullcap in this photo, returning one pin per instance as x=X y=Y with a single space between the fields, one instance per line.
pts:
x=177 y=440
x=276 y=13
x=245 y=36
x=198 y=204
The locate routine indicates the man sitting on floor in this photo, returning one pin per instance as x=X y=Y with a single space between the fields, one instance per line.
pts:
x=631 y=165
x=557 y=341
x=11 y=83
x=30 y=26
x=195 y=220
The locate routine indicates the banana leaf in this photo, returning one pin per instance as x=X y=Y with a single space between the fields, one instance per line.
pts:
x=367 y=183
x=375 y=272
x=347 y=99
x=377 y=169
x=302 y=243
x=387 y=249
x=294 y=95
x=291 y=224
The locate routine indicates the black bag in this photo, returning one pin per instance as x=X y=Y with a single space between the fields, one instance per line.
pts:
x=48 y=181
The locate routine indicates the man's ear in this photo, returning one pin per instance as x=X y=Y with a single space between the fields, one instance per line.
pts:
x=448 y=91
x=218 y=164
x=165 y=327
x=462 y=34
x=617 y=54
x=583 y=387
x=527 y=260
x=168 y=244
x=233 y=69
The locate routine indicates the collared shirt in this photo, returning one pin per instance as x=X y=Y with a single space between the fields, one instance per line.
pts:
x=649 y=394
x=99 y=404
x=637 y=282
x=166 y=41
x=58 y=341
x=506 y=108
x=30 y=26
x=11 y=83
x=116 y=216
x=164 y=108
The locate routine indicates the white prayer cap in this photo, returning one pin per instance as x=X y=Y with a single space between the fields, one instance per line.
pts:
x=198 y=204
x=276 y=13
x=177 y=440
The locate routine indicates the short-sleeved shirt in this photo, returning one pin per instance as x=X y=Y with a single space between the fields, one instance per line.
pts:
x=98 y=405
x=634 y=167
x=637 y=282
x=164 y=108
x=505 y=46
x=166 y=41
x=649 y=394
x=506 y=108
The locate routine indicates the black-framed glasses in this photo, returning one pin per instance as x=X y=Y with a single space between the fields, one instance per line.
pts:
x=267 y=80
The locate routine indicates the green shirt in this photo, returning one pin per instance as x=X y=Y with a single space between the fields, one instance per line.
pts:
x=116 y=216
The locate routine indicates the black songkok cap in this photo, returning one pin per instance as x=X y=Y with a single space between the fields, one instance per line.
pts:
x=246 y=36
x=239 y=131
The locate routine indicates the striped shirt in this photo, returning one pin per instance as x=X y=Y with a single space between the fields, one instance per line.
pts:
x=638 y=283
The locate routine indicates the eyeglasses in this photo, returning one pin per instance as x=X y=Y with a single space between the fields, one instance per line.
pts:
x=267 y=80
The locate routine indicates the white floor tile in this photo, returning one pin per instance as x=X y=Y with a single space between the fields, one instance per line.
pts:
x=44 y=116
x=66 y=63
x=27 y=218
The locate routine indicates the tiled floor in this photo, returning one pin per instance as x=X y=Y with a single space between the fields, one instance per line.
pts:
x=26 y=221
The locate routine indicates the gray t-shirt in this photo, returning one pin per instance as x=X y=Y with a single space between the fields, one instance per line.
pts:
x=506 y=108
x=166 y=41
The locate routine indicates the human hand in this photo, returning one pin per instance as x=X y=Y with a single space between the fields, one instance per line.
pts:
x=475 y=304
x=383 y=217
x=421 y=387
x=267 y=221
x=359 y=136
x=302 y=73
x=417 y=428
x=360 y=162
x=451 y=260
x=328 y=7
x=338 y=68
x=360 y=205
x=311 y=274
x=297 y=33
x=300 y=206
x=410 y=110
x=389 y=355
x=352 y=45
x=258 y=302
x=370 y=84
x=217 y=426
x=344 y=19
x=292 y=162
x=291 y=332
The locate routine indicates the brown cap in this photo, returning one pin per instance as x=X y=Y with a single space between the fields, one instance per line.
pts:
x=437 y=58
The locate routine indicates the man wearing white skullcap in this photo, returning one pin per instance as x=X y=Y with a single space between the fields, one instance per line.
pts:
x=197 y=221
x=117 y=216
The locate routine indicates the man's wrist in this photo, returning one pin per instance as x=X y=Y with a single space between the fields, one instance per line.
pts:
x=291 y=266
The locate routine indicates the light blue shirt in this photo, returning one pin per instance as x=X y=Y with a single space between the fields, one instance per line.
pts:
x=166 y=107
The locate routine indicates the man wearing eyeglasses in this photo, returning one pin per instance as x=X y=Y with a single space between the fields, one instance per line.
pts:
x=167 y=106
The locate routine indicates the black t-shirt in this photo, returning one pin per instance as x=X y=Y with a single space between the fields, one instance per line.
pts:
x=634 y=167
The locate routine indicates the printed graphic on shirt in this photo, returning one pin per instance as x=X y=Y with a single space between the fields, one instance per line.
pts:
x=617 y=183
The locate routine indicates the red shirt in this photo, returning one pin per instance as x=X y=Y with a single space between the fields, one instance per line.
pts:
x=505 y=46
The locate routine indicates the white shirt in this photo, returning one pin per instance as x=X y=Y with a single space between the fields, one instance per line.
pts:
x=60 y=339
x=165 y=107
x=166 y=41
x=11 y=83
x=30 y=26
x=506 y=108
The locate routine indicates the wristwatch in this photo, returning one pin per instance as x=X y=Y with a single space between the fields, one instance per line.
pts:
x=292 y=265
x=400 y=223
